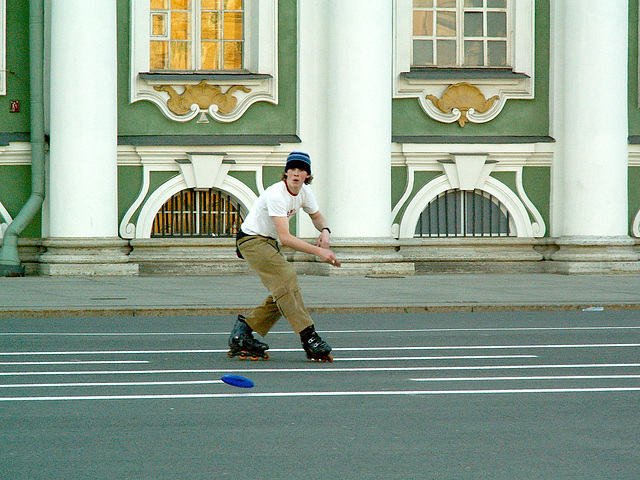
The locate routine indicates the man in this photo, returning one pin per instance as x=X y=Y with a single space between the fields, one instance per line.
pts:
x=257 y=242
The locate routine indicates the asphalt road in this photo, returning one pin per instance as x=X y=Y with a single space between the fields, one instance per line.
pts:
x=493 y=395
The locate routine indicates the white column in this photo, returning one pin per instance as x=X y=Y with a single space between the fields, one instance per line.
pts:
x=594 y=103
x=358 y=121
x=311 y=105
x=83 y=148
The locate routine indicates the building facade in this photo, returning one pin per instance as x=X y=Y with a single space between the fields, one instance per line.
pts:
x=445 y=135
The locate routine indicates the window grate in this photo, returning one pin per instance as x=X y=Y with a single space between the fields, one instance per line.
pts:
x=198 y=213
x=457 y=213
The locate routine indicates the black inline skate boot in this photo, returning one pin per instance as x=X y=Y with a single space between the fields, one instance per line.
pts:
x=315 y=348
x=243 y=345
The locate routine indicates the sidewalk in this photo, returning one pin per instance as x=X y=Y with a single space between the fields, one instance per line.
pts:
x=223 y=295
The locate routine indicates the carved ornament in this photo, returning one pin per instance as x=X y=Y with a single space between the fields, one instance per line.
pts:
x=203 y=95
x=464 y=98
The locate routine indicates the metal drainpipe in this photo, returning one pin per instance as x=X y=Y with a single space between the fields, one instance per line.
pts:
x=10 y=265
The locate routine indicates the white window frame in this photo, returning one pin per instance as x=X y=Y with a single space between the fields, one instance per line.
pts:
x=3 y=47
x=260 y=60
x=196 y=12
x=460 y=37
x=505 y=87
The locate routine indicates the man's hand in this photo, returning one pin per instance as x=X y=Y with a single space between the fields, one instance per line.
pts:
x=327 y=256
x=323 y=239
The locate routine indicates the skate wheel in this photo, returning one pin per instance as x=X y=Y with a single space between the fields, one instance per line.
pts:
x=230 y=355
x=330 y=358
x=266 y=356
x=254 y=359
x=242 y=357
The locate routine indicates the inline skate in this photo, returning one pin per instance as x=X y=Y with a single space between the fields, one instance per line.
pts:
x=315 y=348
x=243 y=345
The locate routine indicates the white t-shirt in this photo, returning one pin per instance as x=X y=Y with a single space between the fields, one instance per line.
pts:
x=276 y=201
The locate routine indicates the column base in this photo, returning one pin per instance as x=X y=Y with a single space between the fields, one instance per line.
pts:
x=86 y=256
x=595 y=255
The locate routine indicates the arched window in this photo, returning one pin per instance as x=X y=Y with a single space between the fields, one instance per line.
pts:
x=457 y=213
x=198 y=213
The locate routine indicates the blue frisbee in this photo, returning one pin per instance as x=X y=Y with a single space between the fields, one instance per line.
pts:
x=237 y=381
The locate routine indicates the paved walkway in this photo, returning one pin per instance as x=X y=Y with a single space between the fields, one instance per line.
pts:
x=222 y=295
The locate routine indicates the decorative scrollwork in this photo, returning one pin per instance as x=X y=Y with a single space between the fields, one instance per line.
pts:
x=463 y=98
x=203 y=95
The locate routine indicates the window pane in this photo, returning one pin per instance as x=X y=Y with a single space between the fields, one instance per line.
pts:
x=159 y=4
x=180 y=4
x=422 y=52
x=497 y=24
x=473 y=24
x=497 y=53
x=180 y=27
x=473 y=3
x=233 y=55
x=211 y=4
x=159 y=25
x=422 y=23
x=446 y=24
x=446 y=52
x=210 y=25
x=422 y=3
x=211 y=55
x=497 y=3
x=473 y=54
x=159 y=55
x=233 y=26
x=233 y=4
x=446 y=3
x=180 y=56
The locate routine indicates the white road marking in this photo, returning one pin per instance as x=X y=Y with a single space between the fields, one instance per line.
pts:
x=324 y=368
x=78 y=362
x=109 y=384
x=323 y=394
x=455 y=357
x=336 y=349
x=537 y=377
x=490 y=347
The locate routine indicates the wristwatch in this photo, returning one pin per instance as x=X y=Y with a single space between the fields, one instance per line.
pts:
x=327 y=229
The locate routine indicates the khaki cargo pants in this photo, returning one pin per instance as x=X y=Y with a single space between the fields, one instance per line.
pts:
x=264 y=257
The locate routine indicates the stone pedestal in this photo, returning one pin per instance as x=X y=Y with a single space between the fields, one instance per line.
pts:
x=86 y=256
x=187 y=256
x=595 y=255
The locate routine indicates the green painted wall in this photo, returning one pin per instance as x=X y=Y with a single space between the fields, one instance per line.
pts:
x=15 y=189
x=145 y=118
x=398 y=184
x=537 y=185
x=129 y=185
x=518 y=117
x=634 y=193
x=634 y=111
x=18 y=69
x=248 y=178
